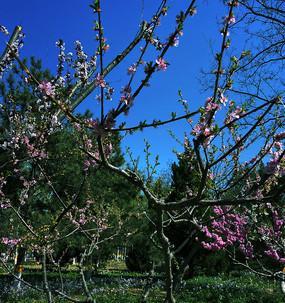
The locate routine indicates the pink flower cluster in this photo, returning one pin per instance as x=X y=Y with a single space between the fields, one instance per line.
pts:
x=204 y=127
x=91 y=162
x=132 y=69
x=4 y=30
x=99 y=81
x=200 y=129
x=272 y=253
x=234 y=115
x=227 y=229
x=272 y=234
x=47 y=88
x=280 y=136
x=9 y=56
x=105 y=46
x=211 y=105
x=161 y=64
x=231 y=228
x=82 y=216
x=2 y=183
x=276 y=164
x=10 y=242
x=223 y=99
x=126 y=96
x=234 y=3
x=174 y=41
x=32 y=150
x=230 y=19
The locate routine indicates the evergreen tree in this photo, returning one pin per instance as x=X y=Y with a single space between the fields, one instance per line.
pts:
x=110 y=194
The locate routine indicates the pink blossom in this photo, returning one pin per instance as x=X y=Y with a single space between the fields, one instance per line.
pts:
x=218 y=210
x=277 y=221
x=96 y=125
x=272 y=166
x=207 y=131
x=86 y=165
x=206 y=245
x=5 y=240
x=82 y=219
x=223 y=99
x=236 y=114
x=226 y=230
x=126 y=99
x=223 y=32
x=47 y=88
x=54 y=120
x=278 y=145
x=272 y=253
x=211 y=175
x=132 y=69
x=247 y=250
x=4 y=30
x=2 y=183
x=106 y=47
x=126 y=96
x=233 y=3
x=193 y=11
x=212 y=106
x=77 y=126
x=206 y=231
x=161 y=64
x=197 y=129
x=99 y=81
x=175 y=40
x=280 y=136
x=10 y=242
x=230 y=19
x=259 y=194
x=90 y=162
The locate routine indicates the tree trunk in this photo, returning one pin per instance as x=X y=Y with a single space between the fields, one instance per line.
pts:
x=169 y=277
x=178 y=278
x=18 y=266
x=46 y=285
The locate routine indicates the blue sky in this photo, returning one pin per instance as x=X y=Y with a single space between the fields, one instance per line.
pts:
x=44 y=22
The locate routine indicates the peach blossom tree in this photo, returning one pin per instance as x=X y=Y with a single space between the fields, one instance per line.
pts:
x=236 y=138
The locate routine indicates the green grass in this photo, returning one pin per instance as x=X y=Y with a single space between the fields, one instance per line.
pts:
x=245 y=289
x=221 y=289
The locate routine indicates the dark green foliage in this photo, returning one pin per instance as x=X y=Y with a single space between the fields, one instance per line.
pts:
x=112 y=197
x=185 y=176
x=141 y=253
x=137 y=260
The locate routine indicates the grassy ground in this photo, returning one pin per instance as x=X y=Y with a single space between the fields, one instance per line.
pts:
x=243 y=289
x=116 y=285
